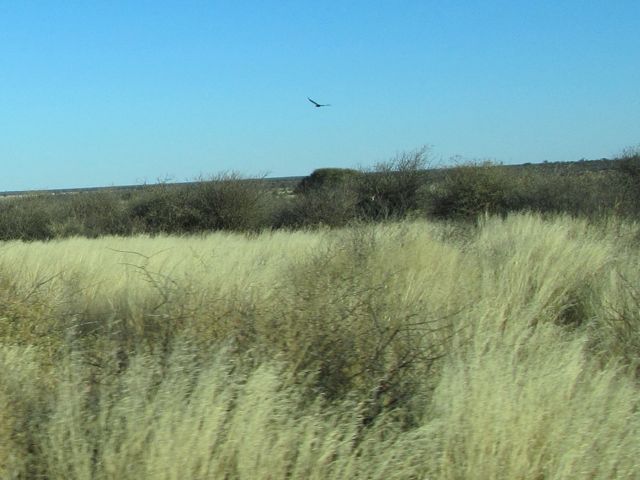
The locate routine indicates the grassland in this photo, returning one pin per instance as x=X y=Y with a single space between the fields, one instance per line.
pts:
x=414 y=349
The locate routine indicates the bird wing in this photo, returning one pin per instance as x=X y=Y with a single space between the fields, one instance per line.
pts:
x=315 y=103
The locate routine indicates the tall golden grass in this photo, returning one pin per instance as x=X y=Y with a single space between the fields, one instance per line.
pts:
x=409 y=350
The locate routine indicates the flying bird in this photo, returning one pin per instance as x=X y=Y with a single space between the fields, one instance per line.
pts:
x=318 y=105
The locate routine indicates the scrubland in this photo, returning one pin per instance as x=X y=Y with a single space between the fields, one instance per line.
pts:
x=416 y=350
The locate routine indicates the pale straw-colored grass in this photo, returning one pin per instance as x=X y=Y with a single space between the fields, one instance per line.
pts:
x=518 y=340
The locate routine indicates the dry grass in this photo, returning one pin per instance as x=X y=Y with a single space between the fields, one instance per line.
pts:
x=407 y=350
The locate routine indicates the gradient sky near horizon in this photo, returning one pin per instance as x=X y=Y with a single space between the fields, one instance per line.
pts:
x=99 y=93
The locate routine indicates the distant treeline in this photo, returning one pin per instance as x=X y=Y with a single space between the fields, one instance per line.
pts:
x=403 y=187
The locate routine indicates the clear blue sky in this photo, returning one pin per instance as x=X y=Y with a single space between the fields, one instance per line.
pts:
x=96 y=93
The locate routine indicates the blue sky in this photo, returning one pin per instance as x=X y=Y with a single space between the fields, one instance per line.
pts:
x=96 y=93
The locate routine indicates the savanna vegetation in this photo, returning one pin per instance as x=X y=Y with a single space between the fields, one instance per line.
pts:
x=449 y=326
x=407 y=186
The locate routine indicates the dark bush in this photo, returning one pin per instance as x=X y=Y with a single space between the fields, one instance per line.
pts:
x=335 y=197
x=328 y=206
x=26 y=218
x=628 y=167
x=327 y=197
x=230 y=202
x=226 y=202
x=392 y=189
x=589 y=194
x=468 y=190
x=91 y=214
x=161 y=208
x=327 y=178
x=629 y=164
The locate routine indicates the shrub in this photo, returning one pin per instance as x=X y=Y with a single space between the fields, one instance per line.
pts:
x=391 y=189
x=224 y=202
x=329 y=206
x=590 y=194
x=160 y=208
x=628 y=166
x=615 y=334
x=468 y=190
x=326 y=178
x=91 y=214
x=629 y=163
x=340 y=325
x=26 y=218
x=229 y=202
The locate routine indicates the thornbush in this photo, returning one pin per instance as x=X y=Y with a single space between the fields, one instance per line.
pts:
x=628 y=167
x=391 y=189
x=326 y=206
x=26 y=218
x=328 y=178
x=91 y=214
x=162 y=208
x=560 y=191
x=229 y=202
x=225 y=202
x=468 y=190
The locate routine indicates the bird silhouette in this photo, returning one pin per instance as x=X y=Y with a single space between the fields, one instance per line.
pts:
x=318 y=105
